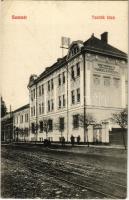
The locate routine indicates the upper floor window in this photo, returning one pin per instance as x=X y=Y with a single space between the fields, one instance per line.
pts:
x=116 y=82
x=59 y=79
x=48 y=106
x=42 y=89
x=39 y=90
x=52 y=85
x=96 y=79
x=72 y=73
x=52 y=104
x=78 y=69
x=17 y=120
x=63 y=77
x=34 y=110
x=34 y=93
x=21 y=119
x=73 y=96
x=107 y=81
x=26 y=117
x=42 y=108
x=75 y=121
x=63 y=100
x=48 y=85
x=78 y=95
x=59 y=98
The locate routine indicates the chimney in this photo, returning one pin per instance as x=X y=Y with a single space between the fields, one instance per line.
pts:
x=104 y=37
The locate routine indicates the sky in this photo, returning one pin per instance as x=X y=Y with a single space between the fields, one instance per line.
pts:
x=29 y=46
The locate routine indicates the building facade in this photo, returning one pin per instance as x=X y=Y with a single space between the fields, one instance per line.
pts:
x=90 y=79
x=7 y=128
x=21 y=124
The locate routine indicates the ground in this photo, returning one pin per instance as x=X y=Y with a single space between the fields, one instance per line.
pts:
x=63 y=172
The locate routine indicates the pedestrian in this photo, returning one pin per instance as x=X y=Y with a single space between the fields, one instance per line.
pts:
x=78 y=139
x=72 y=140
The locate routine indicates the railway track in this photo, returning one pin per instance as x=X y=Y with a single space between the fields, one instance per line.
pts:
x=102 y=189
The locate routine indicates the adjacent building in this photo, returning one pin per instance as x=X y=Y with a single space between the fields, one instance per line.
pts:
x=21 y=124
x=90 y=79
x=7 y=128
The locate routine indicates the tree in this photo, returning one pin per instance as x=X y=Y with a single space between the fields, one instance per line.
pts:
x=60 y=126
x=46 y=126
x=121 y=119
x=86 y=121
x=3 y=108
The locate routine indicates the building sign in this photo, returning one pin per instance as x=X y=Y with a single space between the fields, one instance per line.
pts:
x=107 y=68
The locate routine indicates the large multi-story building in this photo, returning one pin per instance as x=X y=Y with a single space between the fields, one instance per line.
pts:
x=21 y=124
x=90 y=79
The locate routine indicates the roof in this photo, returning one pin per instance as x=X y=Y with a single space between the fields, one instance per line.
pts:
x=93 y=45
x=22 y=108
x=97 y=45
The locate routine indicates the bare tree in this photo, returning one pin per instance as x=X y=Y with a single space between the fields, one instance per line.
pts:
x=60 y=126
x=46 y=126
x=121 y=119
x=85 y=122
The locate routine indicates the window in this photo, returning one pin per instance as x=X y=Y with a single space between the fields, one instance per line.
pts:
x=39 y=90
x=63 y=100
x=33 y=127
x=50 y=124
x=63 y=77
x=75 y=121
x=48 y=106
x=41 y=126
x=73 y=97
x=52 y=103
x=52 y=85
x=116 y=82
x=26 y=117
x=34 y=110
x=34 y=93
x=42 y=108
x=21 y=119
x=78 y=95
x=59 y=80
x=78 y=69
x=61 y=123
x=31 y=111
x=72 y=73
x=96 y=79
x=42 y=89
x=48 y=85
x=59 y=98
x=107 y=81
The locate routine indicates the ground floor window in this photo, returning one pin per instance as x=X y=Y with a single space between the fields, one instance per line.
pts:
x=41 y=126
x=61 y=123
x=76 y=121
x=33 y=127
x=50 y=124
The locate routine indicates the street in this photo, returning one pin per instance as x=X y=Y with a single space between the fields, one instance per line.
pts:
x=39 y=172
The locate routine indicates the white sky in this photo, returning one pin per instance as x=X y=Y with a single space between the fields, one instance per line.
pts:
x=28 y=46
